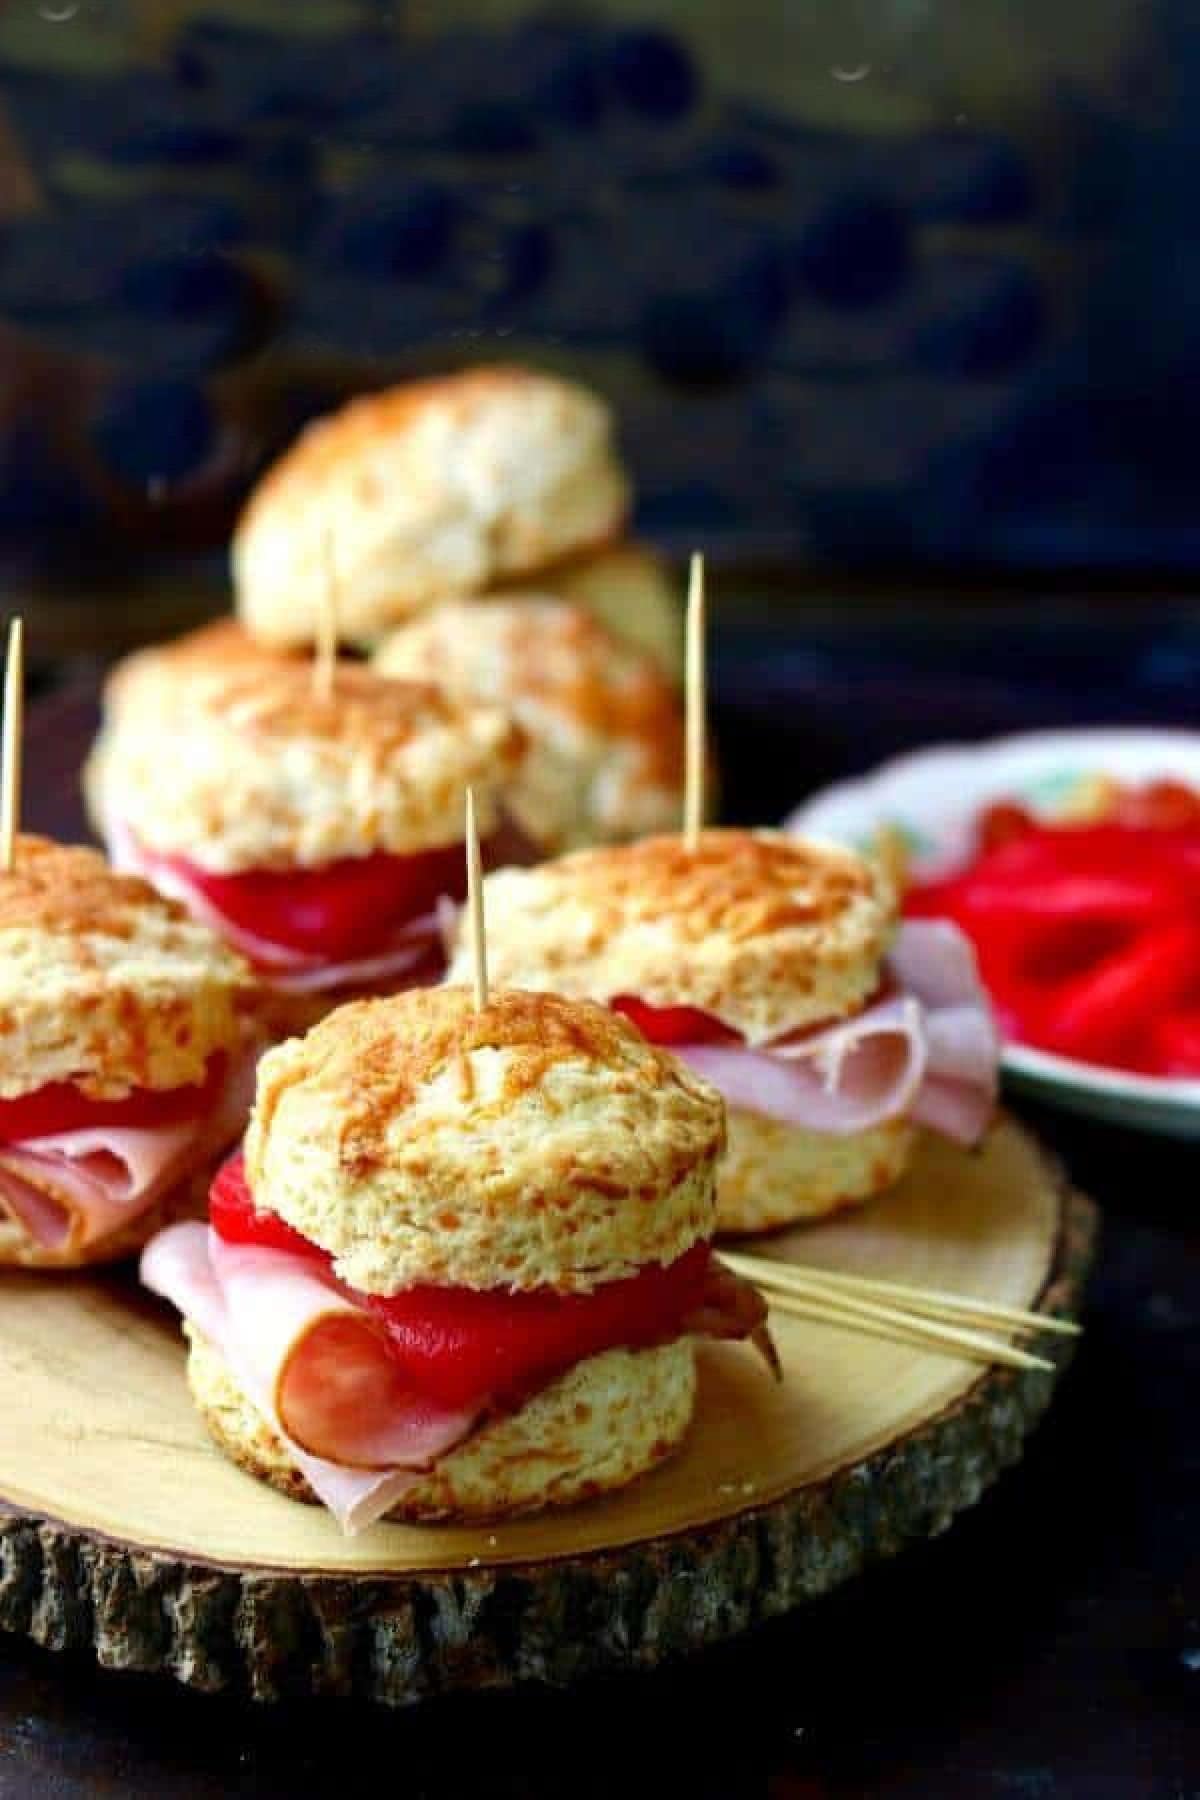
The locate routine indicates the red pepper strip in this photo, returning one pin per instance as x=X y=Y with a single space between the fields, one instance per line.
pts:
x=459 y=1345
x=1100 y=1016
x=672 y=1024
x=1174 y=1044
x=234 y=1216
x=339 y=909
x=1133 y=898
x=61 y=1106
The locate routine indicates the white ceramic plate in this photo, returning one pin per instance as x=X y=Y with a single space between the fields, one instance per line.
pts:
x=932 y=798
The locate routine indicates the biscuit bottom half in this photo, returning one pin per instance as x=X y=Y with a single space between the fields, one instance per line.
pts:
x=598 y=1427
x=777 y=1174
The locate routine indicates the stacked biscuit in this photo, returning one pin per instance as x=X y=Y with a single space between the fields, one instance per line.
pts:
x=472 y=529
x=318 y=825
x=442 y=489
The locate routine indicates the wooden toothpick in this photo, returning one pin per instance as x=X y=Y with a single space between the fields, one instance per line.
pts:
x=325 y=655
x=10 y=760
x=696 y=696
x=475 y=905
x=810 y=1280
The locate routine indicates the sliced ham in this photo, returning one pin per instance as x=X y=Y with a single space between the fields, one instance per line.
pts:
x=325 y=1364
x=418 y=942
x=841 y=1080
x=311 y=1363
x=936 y=962
x=70 y=1189
x=928 y=1052
x=47 y=1222
x=128 y=858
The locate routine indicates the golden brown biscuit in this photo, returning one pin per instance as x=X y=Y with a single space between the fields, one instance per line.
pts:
x=603 y=1423
x=160 y=679
x=105 y=984
x=251 y=767
x=430 y=489
x=211 y=650
x=603 y=723
x=765 y=932
x=778 y=1174
x=537 y=1143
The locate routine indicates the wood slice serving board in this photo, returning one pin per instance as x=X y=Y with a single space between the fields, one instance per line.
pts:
x=122 y=1529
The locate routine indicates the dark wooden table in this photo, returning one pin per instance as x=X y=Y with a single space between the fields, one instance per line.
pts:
x=1047 y=1648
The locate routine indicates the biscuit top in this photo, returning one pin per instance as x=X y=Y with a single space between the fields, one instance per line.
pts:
x=767 y=933
x=538 y=1142
x=210 y=652
x=604 y=723
x=430 y=489
x=159 y=681
x=252 y=767
x=103 y=982
x=69 y=888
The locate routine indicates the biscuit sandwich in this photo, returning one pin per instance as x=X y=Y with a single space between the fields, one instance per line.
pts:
x=432 y=489
x=778 y=970
x=604 y=724
x=316 y=828
x=460 y=1269
x=126 y=1059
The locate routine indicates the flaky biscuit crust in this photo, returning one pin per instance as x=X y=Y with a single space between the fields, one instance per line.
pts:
x=106 y=984
x=767 y=933
x=253 y=768
x=429 y=489
x=604 y=724
x=538 y=1143
x=597 y=1428
x=776 y=1174
x=211 y=651
x=162 y=680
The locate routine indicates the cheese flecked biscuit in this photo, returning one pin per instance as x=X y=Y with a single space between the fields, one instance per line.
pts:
x=604 y=724
x=535 y=1143
x=433 y=488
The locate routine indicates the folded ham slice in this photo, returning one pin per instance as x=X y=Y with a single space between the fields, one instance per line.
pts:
x=416 y=944
x=927 y=1051
x=934 y=960
x=71 y=1189
x=269 y=1316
